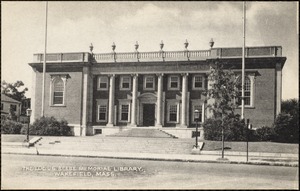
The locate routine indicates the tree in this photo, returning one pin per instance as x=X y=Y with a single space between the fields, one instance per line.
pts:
x=291 y=106
x=14 y=90
x=223 y=91
x=286 y=125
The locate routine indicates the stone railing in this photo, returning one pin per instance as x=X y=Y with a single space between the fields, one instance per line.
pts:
x=62 y=57
x=267 y=51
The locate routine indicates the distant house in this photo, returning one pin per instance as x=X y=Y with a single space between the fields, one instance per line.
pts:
x=26 y=103
x=9 y=104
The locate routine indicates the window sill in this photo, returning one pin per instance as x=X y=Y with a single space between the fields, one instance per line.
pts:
x=101 y=89
x=247 y=107
x=57 y=105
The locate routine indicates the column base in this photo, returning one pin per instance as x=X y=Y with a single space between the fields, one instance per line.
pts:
x=182 y=126
x=109 y=125
x=159 y=126
x=133 y=125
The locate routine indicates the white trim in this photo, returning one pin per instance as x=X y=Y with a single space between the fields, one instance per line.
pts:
x=169 y=82
x=145 y=80
x=121 y=82
x=99 y=81
x=203 y=82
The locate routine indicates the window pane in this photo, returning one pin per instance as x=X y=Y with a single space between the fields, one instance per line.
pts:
x=103 y=81
x=198 y=84
x=174 y=84
x=173 y=117
x=102 y=116
x=103 y=85
x=58 y=100
x=125 y=85
x=124 y=117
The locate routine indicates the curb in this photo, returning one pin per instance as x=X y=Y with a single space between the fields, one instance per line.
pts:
x=36 y=152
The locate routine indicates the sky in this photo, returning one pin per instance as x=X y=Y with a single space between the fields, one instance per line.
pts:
x=73 y=26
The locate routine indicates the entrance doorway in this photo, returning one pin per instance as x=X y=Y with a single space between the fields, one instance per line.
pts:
x=148 y=114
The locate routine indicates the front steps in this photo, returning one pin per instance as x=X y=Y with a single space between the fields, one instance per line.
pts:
x=140 y=132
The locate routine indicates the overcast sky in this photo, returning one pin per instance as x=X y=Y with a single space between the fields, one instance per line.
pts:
x=72 y=26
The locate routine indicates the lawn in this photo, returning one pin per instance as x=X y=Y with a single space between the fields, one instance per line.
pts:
x=14 y=138
x=269 y=147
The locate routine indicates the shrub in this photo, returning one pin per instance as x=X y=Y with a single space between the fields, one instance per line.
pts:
x=212 y=129
x=49 y=126
x=10 y=127
x=234 y=129
x=286 y=128
x=264 y=134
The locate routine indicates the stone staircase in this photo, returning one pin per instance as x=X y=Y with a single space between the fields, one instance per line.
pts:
x=118 y=144
x=146 y=132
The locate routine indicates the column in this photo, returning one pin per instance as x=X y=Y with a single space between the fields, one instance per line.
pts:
x=184 y=100
x=210 y=101
x=278 y=87
x=134 y=100
x=203 y=113
x=111 y=100
x=85 y=101
x=159 y=100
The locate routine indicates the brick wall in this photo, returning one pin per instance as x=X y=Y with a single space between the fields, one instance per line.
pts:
x=72 y=109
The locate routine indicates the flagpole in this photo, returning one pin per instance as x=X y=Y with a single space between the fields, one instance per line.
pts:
x=243 y=62
x=44 y=65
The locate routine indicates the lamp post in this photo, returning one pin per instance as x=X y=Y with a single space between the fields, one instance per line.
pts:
x=28 y=113
x=196 y=117
x=248 y=126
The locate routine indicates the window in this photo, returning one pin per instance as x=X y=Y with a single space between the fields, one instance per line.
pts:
x=102 y=83
x=173 y=113
x=198 y=82
x=149 y=82
x=102 y=110
x=247 y=92
x=58 y=90
x=125 y=83
x=199 y=108
x=173 y=83
x=1 y=106
x=13 y=107
x=58 y=94
x=124 y=114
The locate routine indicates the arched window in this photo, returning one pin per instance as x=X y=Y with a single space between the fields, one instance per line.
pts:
x=247 y=92
x=58 y=91
x=58 y=85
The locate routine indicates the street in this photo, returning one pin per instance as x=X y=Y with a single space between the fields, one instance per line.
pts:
x=53 y=172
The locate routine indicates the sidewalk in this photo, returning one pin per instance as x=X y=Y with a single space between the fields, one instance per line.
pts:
x=205 y=156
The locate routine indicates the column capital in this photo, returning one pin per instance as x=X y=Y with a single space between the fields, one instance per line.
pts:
x=184 y=74
x=160 y=74
x=111 y=75
x=134 y=75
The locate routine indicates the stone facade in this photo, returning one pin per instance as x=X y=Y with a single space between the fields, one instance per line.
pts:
x=108 y=93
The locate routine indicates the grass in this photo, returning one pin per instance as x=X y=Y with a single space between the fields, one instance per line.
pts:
x=268 y=147
x=14 y=138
